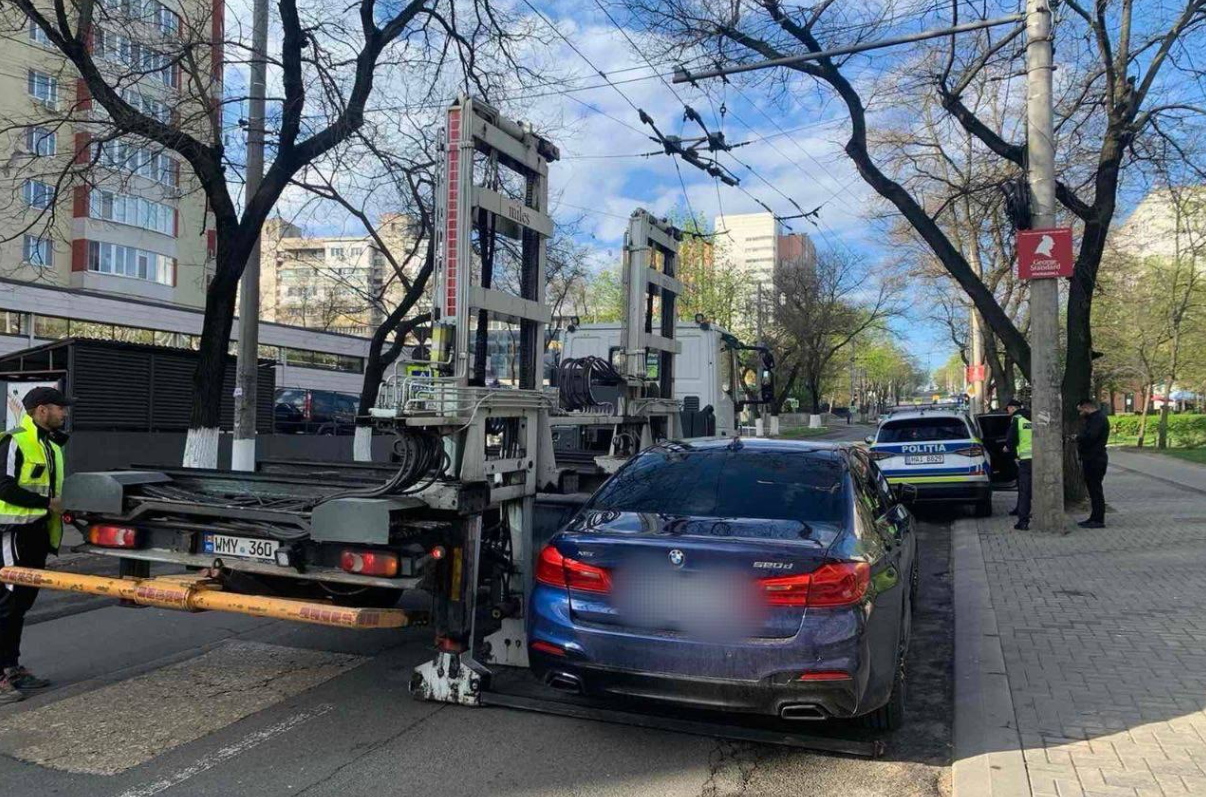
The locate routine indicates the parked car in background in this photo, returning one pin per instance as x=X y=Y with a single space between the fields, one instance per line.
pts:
x=939 y=453
x=762 y=576
x=325 y=412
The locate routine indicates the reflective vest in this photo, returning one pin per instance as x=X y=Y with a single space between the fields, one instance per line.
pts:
x=35 y=477
x=1025 y=436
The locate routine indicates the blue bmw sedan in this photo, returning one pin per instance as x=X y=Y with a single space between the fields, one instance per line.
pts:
x=762 y=576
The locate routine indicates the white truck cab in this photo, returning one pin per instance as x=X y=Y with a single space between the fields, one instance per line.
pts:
x=705 y=371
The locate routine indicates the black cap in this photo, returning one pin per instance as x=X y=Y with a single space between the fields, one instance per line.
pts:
x=45 y=395
x=1013 y=403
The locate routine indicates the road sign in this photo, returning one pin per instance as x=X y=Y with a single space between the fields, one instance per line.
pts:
x=1044 y=254
x=975 y=373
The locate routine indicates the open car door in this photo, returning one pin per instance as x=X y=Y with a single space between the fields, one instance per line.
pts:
x=994 y=426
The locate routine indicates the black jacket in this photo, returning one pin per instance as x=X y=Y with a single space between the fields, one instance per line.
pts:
x=1094 y=434
x=1011 y=436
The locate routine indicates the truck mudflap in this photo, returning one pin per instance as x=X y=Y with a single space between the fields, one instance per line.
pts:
x=196 y=593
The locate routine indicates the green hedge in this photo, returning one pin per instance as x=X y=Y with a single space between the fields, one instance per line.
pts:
x=1184 y=431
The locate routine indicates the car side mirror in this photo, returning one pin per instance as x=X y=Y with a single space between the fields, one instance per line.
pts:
x=869 y=440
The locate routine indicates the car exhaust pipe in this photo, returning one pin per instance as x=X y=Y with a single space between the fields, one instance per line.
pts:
x=802 y=712
x=564 y=682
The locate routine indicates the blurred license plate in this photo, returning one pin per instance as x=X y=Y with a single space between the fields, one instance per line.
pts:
x=243 y=547
x=925 y=459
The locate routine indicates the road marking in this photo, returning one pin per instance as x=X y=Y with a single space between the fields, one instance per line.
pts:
x=248 y=742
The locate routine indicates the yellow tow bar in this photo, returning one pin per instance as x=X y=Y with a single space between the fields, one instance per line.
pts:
x=195 y=593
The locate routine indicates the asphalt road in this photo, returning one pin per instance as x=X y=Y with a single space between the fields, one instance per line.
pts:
x=150 y=702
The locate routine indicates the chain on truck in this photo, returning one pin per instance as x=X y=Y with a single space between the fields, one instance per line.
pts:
x=476 y=485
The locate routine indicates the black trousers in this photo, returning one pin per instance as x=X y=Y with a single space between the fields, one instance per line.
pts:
x=1025 y=488
x=25 y=545
x=1095 y=471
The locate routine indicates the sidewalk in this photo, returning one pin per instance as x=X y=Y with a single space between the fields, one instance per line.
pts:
x=1081 y=659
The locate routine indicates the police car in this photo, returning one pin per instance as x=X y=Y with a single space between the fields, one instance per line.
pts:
x=938 y=453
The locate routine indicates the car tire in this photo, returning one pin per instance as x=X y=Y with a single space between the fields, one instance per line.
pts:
x=891 y=715
x=984 y=507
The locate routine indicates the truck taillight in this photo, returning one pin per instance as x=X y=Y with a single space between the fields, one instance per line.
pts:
x=113 y=536
x=556 y=570
x=370 y=563
x=834 y=584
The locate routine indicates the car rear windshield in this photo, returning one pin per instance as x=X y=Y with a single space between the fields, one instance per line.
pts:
x=920 y=430
x=730 y=484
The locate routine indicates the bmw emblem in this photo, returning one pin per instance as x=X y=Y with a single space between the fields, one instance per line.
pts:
x=677 y=558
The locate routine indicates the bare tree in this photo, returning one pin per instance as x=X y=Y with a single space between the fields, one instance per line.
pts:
x=329 y=61
x=823 y=308
x=1116 y=102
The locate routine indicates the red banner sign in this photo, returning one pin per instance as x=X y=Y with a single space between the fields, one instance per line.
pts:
x=975 y=373
x=1044 y=254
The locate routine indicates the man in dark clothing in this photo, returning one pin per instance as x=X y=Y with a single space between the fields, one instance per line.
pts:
x=1019 y=445
x=1091 y=444
x=31 y=525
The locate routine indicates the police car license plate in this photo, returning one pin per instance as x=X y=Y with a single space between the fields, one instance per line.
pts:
x=242 y=547
x=925 y=459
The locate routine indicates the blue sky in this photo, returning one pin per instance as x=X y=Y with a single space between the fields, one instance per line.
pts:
x=794 y=156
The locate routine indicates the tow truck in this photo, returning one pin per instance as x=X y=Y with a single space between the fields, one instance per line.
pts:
x=475 y=483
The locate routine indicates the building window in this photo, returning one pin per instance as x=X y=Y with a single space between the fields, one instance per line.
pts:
x=49 y=327
x=38 y=194
x=336 y=252
x=147 y=104
x=37 y=251
x=37 y=35
x=142 y=161
x=356 y=252
x=41 y=141
x=43 y=87
x=132 y=210
x=127 y=261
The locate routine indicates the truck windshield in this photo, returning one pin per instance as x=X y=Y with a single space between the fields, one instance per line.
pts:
x=764 y=485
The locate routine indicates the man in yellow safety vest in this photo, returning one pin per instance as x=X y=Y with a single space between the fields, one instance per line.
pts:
x=31 y=523
x=1019 y=443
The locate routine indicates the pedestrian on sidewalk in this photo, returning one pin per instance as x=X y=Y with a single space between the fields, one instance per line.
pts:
x=31 y=523
x=1091 y=444
x=1019 y=445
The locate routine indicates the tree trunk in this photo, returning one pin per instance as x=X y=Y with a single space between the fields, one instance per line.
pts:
x=201 y=444
x=1147 y=400
x=814 y=388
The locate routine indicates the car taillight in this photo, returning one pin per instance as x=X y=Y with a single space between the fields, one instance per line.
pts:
x=786 y=590
x=113 y=536
x=370 y=563
x=547 y=647
x=839 y=584
x=825 y=675
x=877 y=455
x=835 y=584
x=556 y=570
x=970 y=451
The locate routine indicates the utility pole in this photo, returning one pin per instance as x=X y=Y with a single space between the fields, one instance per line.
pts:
x=759 y=428
x=976 y=388
x=247 y=370
x=1044 y=293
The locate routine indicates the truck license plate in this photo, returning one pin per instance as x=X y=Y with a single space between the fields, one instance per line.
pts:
x=925 y=459
x=243 y=547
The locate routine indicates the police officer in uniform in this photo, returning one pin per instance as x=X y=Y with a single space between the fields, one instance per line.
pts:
x=31 y=525
x=1019 y=443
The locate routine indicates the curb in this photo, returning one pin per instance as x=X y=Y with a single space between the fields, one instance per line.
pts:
x=988 y=760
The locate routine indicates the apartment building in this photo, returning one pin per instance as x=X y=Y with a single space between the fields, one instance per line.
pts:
x=342 y=284
x=81 y=207
x=757 y=244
